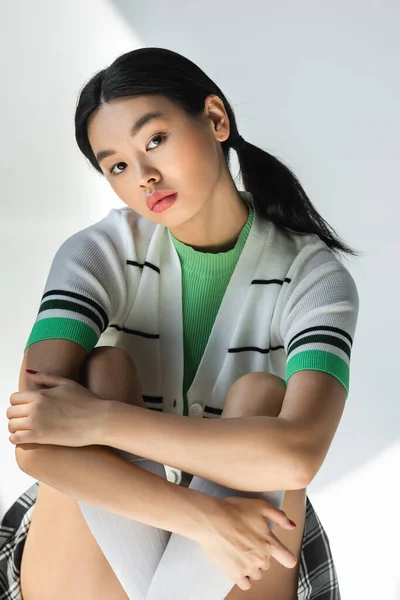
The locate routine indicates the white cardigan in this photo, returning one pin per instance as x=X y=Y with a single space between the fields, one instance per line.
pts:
x=290 y=305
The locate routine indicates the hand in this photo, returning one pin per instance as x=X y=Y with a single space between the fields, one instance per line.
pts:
x=64 y=413
x=240 y=543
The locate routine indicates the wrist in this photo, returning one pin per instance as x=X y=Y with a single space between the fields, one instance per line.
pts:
x=104 y=428
x=198 y=523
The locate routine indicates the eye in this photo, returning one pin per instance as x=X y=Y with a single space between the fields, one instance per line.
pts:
x=116 y=165
x=161 y=136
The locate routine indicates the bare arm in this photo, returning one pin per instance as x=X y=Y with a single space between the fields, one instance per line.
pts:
x=244 y=453
x=97 y=475
x=249 y=453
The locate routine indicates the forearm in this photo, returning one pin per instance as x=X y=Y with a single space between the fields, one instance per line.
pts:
x=98 y=476
x=250 y=453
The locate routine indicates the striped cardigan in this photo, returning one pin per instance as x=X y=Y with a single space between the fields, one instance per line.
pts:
x=290 y=305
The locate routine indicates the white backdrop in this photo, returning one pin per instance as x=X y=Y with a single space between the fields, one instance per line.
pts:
x=316 y=85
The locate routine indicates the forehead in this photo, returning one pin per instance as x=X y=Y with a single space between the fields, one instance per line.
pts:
x=120 y=114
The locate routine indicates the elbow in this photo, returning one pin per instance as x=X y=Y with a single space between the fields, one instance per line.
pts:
x=301 y=477
x=302 y=471
x=26 y=456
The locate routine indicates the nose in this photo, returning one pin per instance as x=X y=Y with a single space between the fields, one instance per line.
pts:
x=149 y=183
x=147 y=175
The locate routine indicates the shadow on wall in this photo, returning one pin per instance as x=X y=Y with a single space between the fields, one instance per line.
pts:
x=270 y=39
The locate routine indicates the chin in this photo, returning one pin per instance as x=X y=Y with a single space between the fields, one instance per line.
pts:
x=173 y=217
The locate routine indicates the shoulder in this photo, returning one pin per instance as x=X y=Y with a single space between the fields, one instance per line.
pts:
x=123 y=222
x=301 y=253
x=122 y=228
x=307 y=269
x=317 y=282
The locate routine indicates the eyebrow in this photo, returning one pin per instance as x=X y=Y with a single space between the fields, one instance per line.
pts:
x=137 y=126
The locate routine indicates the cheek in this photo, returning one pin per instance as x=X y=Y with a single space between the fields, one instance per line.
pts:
x=193 y=163
x=123 y=188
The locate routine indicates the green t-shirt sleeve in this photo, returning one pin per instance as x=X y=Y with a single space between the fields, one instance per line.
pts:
x=319 y=316
x=86 y=288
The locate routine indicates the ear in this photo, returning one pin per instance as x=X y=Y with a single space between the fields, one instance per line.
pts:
x=214 y=111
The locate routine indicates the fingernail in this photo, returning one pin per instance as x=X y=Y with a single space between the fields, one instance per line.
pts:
x=31 y=371
x=292 y=523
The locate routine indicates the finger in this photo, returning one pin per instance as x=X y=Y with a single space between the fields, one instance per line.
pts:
x=265 y=564
x=21 y=398
x=48 y=379
x=282 y=554
x=19 y=410
x=21 y=437
x=277 y=516
x=244 y=583
x=256 y=573
x=18 y=425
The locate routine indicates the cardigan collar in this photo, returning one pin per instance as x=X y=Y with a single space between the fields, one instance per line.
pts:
x=227 y=319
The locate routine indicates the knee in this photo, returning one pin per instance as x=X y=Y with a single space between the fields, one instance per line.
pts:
x=111 y=373
x=255 y=394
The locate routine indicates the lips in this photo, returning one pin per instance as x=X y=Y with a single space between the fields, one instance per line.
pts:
x=156 y=196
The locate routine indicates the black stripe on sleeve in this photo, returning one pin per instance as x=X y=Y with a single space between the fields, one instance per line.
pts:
x=72 y=307
x=322 y=328
x=84 y=299
x=321 y=339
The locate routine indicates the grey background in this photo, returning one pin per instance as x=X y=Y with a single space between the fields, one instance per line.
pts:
x=314 y=83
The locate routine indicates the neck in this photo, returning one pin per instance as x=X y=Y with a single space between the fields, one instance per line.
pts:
x=217 y=226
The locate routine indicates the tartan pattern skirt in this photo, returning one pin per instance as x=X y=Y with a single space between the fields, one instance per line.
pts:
x=317 y=573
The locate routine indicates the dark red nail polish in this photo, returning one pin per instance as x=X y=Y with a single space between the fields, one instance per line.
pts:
x=292 y=523
x=30 y=371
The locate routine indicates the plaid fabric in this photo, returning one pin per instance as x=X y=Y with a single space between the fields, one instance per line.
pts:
x=317 y=574
x=13 y=531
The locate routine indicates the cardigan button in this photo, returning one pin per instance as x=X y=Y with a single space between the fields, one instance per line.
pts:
x=174 y=475
x=196 y=410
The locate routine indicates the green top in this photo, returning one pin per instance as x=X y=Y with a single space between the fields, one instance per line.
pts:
x=205 y=277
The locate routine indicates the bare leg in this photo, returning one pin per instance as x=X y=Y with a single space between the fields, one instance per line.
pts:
x=183 y=561
x=262 y=394
x=87 y=575
x=61 y=558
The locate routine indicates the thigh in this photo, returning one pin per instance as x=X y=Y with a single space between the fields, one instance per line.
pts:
x=279 y=582
x=62 y=557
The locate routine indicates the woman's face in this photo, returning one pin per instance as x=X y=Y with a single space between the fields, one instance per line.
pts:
x=172 y=151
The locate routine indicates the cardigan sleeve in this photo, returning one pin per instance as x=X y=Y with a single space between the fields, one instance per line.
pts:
x=87 y=288
x=319 y=315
